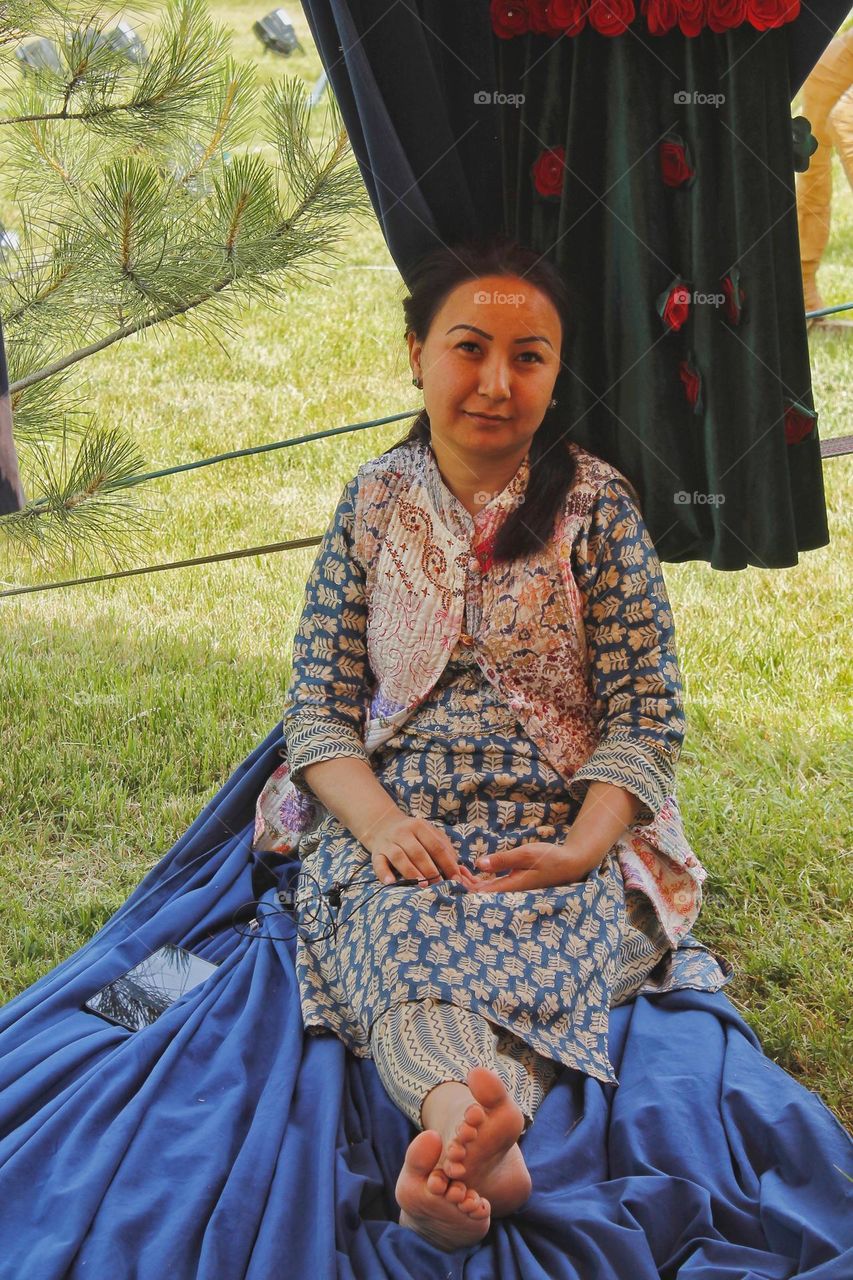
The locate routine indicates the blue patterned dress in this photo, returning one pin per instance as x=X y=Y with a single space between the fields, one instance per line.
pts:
x=546 y=964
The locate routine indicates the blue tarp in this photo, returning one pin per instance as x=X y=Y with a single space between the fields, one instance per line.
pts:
x=221 y=1143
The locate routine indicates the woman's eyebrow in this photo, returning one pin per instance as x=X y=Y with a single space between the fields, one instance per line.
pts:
x=533 y=338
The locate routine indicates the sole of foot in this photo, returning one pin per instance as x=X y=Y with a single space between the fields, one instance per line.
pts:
x=483 y=1152
x=445 y=1211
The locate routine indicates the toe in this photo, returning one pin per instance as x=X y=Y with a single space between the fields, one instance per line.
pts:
x=486 y=1086
x=438 y=1182
x=457 y=1193
x=474 y=1115
x=424 y=1153
x=475 y=1205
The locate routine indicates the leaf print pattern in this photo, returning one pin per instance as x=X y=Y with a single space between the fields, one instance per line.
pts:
x=546 y=965
x=632 y=660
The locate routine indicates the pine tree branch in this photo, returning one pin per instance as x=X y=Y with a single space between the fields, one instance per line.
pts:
x=124 y=331
x=338 y=149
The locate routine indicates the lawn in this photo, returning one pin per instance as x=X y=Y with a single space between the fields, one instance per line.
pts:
x=126 y=705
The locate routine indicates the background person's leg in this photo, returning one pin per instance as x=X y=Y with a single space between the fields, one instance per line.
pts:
x=830 y=79
x=840 y=126
x=420 y=1044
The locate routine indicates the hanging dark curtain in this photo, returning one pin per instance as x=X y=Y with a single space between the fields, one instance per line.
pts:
x=658 y=173
x=11 y=493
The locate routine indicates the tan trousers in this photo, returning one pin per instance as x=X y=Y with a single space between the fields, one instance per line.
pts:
x=828 y=106
x=419 y=1044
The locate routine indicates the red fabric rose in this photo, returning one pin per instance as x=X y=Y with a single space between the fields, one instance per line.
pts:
x=568 y=16
x=764 y=14
x=661 y=15
x=673 y=305
x=611 y=17
x=691 y=380
x=725 y=14
x=674 y=165
x=539 y=22
x=691 y=16
x=799 y=423
x=734 y=296
x=509 y=18
x=548 y=171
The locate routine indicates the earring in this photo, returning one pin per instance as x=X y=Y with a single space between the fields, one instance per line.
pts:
x=417 y=382
x=553 y=404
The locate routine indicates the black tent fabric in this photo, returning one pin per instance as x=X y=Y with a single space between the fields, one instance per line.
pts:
x=658 y=173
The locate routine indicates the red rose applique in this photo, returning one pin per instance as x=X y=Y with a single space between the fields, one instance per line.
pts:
x=661 y=15
x=675 y=167
x=799 y=423
x=691 y=380
x=556 y=18
x=568 y=16
x=539 y=19
x=691 y=16
x=548 y=171
x=611 y=17
x=725 y=14
x=765 y=14
x=509 y=18
x=734 y=296
x=673 y=305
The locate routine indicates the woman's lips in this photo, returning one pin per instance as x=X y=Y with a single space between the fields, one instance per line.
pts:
x=481 y=417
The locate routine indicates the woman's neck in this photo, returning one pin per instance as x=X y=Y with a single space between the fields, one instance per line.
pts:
x=469 y=481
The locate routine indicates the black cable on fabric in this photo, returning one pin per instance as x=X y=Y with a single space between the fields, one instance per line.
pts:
x=330 y=898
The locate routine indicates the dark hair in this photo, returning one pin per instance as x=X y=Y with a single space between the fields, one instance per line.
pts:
x=552 y=469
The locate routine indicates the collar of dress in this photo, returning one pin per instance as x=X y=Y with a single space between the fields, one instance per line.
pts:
x=479 y=530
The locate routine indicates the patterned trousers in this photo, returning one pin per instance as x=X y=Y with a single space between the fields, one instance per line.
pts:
x=419 y=1044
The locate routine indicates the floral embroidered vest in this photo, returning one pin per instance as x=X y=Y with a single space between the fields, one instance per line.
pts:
x=530 y=645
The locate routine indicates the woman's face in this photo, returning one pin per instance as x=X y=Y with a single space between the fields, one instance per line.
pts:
x=493 y=348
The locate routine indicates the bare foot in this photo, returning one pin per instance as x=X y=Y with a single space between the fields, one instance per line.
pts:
x=482 y=1151
x=444 y=1211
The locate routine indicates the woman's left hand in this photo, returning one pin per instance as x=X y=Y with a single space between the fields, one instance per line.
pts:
x=536 y=865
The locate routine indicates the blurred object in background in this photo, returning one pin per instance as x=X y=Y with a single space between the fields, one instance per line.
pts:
x=11 y=492
x=276 y=32
x=318 y=89
x=827 y=104
x=38 y=55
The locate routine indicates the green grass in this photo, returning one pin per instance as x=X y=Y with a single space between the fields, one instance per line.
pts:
x=125 y=706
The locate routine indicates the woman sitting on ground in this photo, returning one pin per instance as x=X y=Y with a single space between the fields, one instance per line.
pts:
x=481 y=730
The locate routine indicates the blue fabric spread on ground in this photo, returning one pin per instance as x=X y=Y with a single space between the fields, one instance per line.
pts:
x=221 y=1143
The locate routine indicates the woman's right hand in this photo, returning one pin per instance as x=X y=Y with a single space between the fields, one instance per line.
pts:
x=413 y=847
